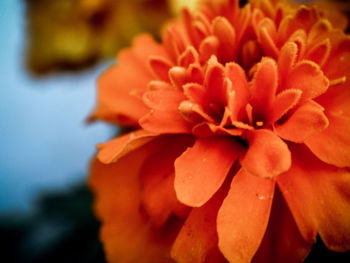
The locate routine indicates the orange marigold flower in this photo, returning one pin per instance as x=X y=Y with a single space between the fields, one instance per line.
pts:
x=241 y=144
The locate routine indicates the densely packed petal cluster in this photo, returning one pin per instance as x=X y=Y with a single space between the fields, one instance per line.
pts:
x=240 y=141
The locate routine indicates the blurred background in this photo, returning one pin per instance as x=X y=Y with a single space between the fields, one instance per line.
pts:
x=51 y=54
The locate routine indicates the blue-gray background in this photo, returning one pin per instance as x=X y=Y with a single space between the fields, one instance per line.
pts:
x=44 y=143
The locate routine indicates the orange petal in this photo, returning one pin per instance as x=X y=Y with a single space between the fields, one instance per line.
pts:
x=115 y=149
x=309 y=78
x=337 y=97
x=206 y=129
x=306 y=121
x=201 y=169
x=226 y=34
x=266 y=36
x=164 y=116
x=267 y=155
x=320 y=52
x=282 y=241
x=188 y=57
x=240 y=87
x=177 y=76
x=163 y=99
x=198 y=241
x=304 y=18
x=244 y=215
x=215 y=81
x=318 y=196
x=286 y=60
x=157 y=177
x=160 y=67
x=285 y=101
x=116 y=84
x=126 y=235
x=264 y=89
x=333 y=144
x=208 y=47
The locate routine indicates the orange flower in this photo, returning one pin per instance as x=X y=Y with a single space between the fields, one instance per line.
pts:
x=241 y=147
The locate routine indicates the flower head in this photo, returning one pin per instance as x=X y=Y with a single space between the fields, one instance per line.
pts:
x=241 y=145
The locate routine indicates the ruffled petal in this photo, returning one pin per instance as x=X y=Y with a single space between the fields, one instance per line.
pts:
x=126 y=234
x=309 y=78
x=201 y=169
x=284 y=101
x=113 y=150
x=318 y=196
x=267 y=155
x=306 y=121
x=116 y=84
x=198 y=240
x=244 y=215
x=164 y=116
x=282 y=241
x=333 y=144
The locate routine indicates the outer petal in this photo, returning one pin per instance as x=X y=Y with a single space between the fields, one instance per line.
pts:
x=318 y=196
x=113 y=150
x=157 y=177
x=244 y=215
x=267 y=155
x=333 y=144
x=201 y=169
x=116 y=84
x=306 y=121
x=126 y=234
x=282 y=241
x=198 y=239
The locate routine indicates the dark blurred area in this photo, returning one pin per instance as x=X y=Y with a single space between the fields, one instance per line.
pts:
x=61 y=228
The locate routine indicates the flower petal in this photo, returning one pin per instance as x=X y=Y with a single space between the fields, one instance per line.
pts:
x=115 y=149
x=197 y=173
x=157 y=178
x=240 y=88
x=198 y=240
x=215 y=81
x=305 y=122
x=333 y=144
x=309 y=78
x=318 y=196
x=244 y=215
x=267 y=155
x=264 y=89
x=337 y=97
x=286 y=60
x=116 y=84
x=164 y=116
x=282 y=241
x=226 y=34
x=284 y=101
x=126 y=235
